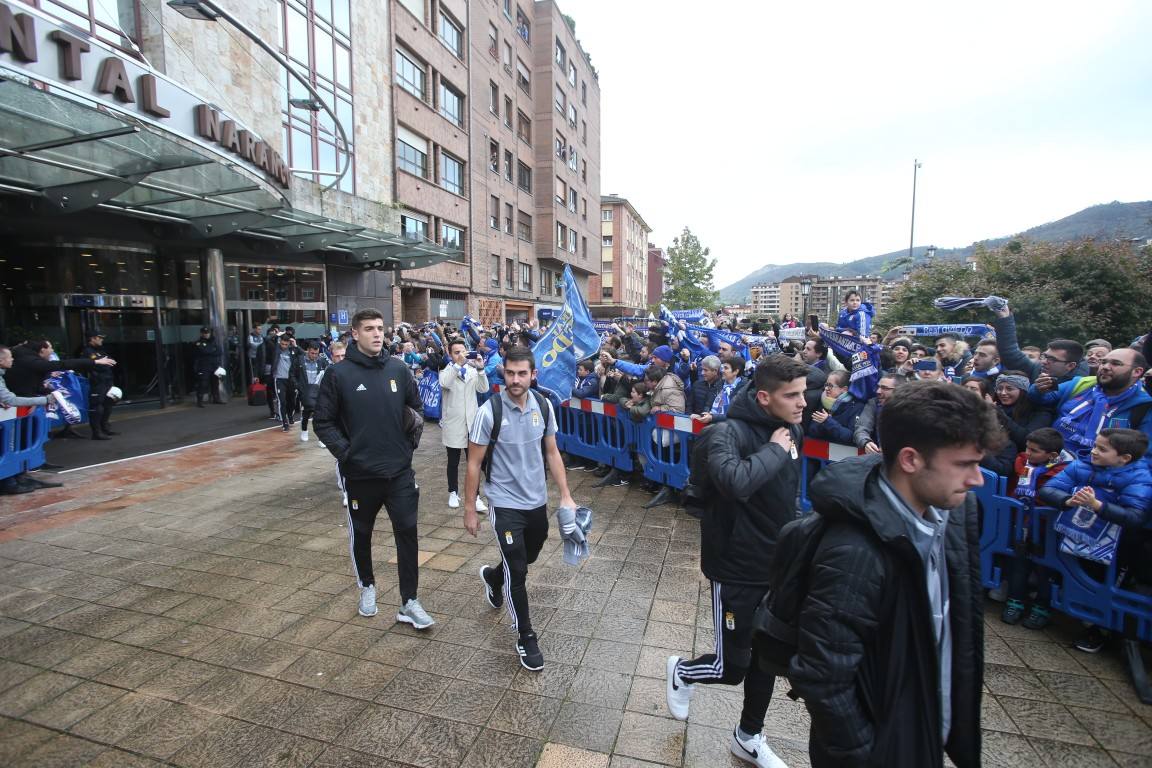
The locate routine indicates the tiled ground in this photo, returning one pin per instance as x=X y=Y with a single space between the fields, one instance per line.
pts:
x=202 y=613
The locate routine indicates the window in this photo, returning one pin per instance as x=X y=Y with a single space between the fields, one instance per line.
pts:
x=509 y=273
x=414 y=226
x=450 y=33
x=451 y=103
x=508 y=112
x=606 y=293
x=572 y=200
x=546 y=281
x=411 y=152
x=561 y=235
x=494 y=98
x=572 y=241
x=572 y=157
x=584 y=172
x=606 y=214
x=561 y=190
x=495 y=270
x=451 y=173
x=523 y=77
x=493 y=41
x=561 y=100
x=572 y=74
x=410 y=75
x=508 y=8
x=415 y=6
x=508 y=218
x=526 y=277
x=572 y=115
x=584 y=93
x=524 y=226
x=452 y=237
x=583 y=247
x=506 y=60
x=494 y=212
x=584 y=131
x=523 y=28
x=523 y=127
x=561 y=147
x=494 y=156
x=584 y=208
x=508 y=164
x=523 y=177
x=606 y=241
x=561 y=55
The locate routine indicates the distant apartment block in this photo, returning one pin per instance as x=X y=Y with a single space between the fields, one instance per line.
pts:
x=825 y=297
x=622 y=287
x=657 y=283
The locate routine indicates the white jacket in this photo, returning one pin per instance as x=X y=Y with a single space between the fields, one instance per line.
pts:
x=458 y=403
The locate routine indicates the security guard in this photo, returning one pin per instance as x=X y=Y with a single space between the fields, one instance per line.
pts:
x=206 y=358
x=101 y=381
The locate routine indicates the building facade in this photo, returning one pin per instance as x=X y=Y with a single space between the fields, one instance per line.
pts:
x=621 y=288
x=657 y=263
x=825 y=297
x=162 y=172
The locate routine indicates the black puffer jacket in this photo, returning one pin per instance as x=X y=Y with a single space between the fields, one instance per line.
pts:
x=752 y=486
x=866 y=664
x=369 y=415
x=26 y=376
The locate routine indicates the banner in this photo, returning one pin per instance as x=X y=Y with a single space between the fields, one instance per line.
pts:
x=694 y=316
x=865 y=359
x=960 y=329
x=572 y=337
x=602 y=326
x=74 y=390
x=793 y=334
x=429 y=387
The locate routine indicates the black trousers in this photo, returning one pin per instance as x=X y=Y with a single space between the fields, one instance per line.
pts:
x=734 y=660
x=285 y=401
x=305 y=414
x=454 y=469
x=206 y=385
x=99 y=412
x=521 y=535
x=400 y=496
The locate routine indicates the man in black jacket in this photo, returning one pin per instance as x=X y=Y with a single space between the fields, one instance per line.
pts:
x=753 y=475
x=890 y=653
x=369 y=416
x=100 y=382
x=206 y=359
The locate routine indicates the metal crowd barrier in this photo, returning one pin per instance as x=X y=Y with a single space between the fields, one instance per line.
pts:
x=820 y=452
x=23 y=433
x=665 y=441
x=602 y=432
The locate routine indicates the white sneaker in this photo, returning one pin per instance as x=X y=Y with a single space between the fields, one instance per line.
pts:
x=678 y=693
x=480 y=505
x=755 y=751
x=453 y=500
x=303 y=436
x=367 y=605
x=413 y=613
x=321 y=444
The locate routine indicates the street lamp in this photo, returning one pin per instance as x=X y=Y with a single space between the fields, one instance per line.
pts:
x=805 y=289
x=930 y=254
x=912 y=236
x=209 y=10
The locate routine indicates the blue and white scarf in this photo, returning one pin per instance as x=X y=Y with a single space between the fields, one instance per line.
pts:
x=960 y=329
x=953 y=303
x=1083 y=422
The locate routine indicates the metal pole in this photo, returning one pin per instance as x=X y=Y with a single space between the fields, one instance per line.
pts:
x=912 y=235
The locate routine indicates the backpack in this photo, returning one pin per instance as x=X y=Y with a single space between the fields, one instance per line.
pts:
x=494 y=435
x=699 y=486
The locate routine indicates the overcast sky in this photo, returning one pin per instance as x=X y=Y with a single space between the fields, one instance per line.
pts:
x=783 y=132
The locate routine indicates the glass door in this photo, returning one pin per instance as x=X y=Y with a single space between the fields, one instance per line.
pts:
x=129 y=339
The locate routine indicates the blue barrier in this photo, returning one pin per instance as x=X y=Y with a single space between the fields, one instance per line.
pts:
x=665 y=441
x=822 y=453
x=23 y=433
x=593 y=429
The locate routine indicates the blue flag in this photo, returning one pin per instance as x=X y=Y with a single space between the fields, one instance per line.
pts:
x=429 y=386
x=571 y=338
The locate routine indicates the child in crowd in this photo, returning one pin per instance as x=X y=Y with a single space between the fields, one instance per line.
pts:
x=1102 y=498
x=856 y=315
x=586 y=387
x=1042 y=459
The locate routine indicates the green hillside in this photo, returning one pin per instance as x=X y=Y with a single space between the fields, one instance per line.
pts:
x=1122 y=220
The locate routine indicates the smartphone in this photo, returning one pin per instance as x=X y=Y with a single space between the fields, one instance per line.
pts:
x=473 y=356
x=814 y=322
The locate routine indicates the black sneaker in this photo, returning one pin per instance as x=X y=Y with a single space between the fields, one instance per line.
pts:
x=495 y=597
x=529 y=650
x=1091 y=642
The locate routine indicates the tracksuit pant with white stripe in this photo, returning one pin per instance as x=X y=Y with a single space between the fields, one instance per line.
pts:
x=400 y=496
x=734 y=660
x=285 y=400
x=521 y=534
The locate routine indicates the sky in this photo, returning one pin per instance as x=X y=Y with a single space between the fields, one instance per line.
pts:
x=781 y=132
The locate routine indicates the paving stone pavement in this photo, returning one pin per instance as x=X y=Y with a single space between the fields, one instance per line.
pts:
x=203 y=613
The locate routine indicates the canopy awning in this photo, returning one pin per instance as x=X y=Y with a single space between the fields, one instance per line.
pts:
x=72 y=155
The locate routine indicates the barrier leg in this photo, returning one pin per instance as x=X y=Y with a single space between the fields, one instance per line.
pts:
x=1136 y=671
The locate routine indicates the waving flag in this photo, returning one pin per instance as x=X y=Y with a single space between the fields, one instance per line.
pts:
x=571 y=338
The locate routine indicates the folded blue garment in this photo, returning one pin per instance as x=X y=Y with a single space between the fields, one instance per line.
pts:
x=576 y=548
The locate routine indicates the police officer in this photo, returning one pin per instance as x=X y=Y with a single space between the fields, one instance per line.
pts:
x=206 y=358
x=101 y=381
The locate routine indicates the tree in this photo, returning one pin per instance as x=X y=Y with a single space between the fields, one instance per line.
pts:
x=1078 y=290
x=689 y=275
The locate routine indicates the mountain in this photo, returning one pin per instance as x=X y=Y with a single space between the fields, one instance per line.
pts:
x=1109 y=220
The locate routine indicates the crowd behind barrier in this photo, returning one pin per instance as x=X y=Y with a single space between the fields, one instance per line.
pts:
x=601 y=432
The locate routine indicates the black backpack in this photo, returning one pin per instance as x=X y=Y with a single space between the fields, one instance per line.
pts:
x=494 y=434
x=699 y=486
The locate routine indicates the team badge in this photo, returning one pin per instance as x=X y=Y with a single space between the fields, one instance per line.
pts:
x=730 y=620
x=535 y=418
x=393 y=383
x=508 y=537
x=355 y=504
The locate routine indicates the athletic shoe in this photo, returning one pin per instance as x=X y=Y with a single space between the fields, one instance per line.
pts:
x=274 y=418
x=755 y=751
x=1000 y=593
x=529 y=650
x=677 y=692
x=1038 y=618
x=480 y=505
x=367 y=605
x=285 y=427
x=453 y=500
x=1013 y=612
x=495 y=597
x=574 y=464
x=1091 y=642
x=320 y=444
x=413 y=613
x=303 y=436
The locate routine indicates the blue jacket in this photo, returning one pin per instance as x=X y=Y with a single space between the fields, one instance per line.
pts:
x=635 y=370
x=586 y=388
x=1125 y=491
x=858 y=321
x=839 y=426
x=1062 y=400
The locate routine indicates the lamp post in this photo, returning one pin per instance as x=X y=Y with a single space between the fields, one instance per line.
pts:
x=805 y=289
x=930 y=254
x=208 y=10
x=912 y=236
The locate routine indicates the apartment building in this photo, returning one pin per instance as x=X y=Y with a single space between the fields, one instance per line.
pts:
x=825 y=295
x=621 y=288
x=657 y=263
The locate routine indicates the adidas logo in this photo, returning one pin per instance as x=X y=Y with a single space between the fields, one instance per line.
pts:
x=361 y=388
